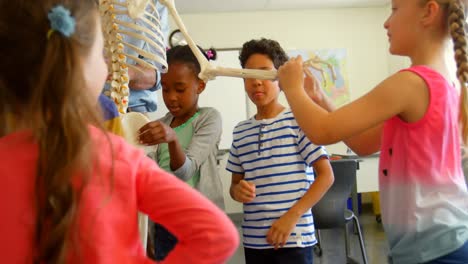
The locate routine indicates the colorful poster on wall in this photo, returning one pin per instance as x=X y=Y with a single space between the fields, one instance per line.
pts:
x=331 y=71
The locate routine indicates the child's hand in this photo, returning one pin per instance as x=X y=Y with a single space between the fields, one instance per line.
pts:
x=312 y=87
x=290 y=74
x=315 y=92
x=280 y=230
x=244 y=191
x=156 y=132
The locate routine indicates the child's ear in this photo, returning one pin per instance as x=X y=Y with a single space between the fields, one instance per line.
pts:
x=201 y=86
x=431 y=12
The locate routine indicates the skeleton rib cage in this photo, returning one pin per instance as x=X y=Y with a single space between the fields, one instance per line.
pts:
x=145 y=26
x=125 y=23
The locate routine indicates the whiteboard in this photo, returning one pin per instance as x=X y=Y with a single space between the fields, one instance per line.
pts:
x=227 y=95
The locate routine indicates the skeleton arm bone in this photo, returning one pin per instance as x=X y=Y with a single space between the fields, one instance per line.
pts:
x=204 y=64
x=315 y=63
x=212 y=72
x=243 y=73
x=208 y=72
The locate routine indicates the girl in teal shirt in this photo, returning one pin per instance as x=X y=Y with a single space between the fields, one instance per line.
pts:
x=187 y=137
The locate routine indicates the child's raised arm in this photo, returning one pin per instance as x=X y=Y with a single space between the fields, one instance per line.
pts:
x=358 y=123
x=372 y=136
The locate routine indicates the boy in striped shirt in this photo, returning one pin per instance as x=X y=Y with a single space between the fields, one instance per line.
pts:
x=271 y=161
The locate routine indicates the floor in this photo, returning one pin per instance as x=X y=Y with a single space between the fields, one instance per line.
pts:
x=333 y=242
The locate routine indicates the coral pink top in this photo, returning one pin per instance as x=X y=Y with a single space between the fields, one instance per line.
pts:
x=423 y=190
x=107 y=220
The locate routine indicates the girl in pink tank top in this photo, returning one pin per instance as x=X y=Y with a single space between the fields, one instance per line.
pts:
x=415 y=118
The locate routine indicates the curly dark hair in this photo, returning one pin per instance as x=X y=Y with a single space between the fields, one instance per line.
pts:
x=268 y=47
x=183 y=54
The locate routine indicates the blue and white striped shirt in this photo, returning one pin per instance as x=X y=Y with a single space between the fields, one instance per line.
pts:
x=276 y=156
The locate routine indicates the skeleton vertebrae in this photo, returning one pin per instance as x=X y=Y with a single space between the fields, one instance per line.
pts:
x=114 y=53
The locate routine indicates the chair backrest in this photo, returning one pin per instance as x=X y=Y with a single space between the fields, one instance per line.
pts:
x=329 y=211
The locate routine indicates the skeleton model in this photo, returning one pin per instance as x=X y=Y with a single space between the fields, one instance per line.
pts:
x=124 y=24
x=139 y=11
x=316 y=63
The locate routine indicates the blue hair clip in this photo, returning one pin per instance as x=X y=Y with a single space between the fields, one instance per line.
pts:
x=61 y=21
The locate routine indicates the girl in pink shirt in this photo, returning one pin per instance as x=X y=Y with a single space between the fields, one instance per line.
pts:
x=71 y=191
x=413 y=118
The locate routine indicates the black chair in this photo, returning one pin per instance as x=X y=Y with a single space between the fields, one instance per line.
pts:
x=331 y=212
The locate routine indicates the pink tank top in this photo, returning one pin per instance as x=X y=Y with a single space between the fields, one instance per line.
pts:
x=422 y=187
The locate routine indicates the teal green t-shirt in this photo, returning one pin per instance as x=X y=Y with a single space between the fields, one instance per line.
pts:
x=184 y=133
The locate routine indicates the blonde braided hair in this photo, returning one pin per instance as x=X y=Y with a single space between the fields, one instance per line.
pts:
x=457 y=23
x=457 y=28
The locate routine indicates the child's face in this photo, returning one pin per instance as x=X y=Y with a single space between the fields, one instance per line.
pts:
x=402 y=26
x=180 y=90
x=261 y=92
x=95 y=68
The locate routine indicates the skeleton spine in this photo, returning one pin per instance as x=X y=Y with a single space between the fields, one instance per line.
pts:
x=114 y=53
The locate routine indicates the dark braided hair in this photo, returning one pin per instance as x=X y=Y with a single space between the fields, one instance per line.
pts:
x=183 y=54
